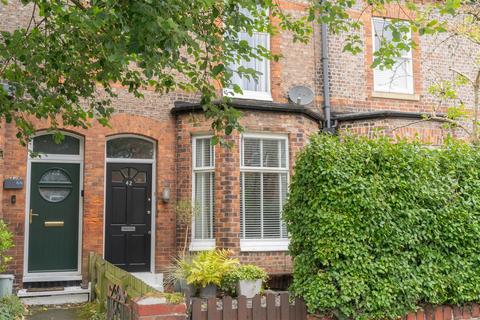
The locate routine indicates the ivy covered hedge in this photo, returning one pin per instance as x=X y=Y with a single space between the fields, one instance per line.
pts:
x=378 y=228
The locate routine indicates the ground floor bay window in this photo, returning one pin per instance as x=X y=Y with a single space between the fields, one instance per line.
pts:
x=263 y=186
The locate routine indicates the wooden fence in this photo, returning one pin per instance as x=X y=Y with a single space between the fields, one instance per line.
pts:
x=110 y=282
x=270 y=307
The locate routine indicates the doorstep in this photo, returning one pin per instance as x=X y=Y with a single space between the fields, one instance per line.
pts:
x=154 y=280
x=64 y=295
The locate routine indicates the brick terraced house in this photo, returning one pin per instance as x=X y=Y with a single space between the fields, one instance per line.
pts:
x=114 y=190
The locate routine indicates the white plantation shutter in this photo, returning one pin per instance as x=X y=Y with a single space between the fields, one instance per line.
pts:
x=264 y=184
x=400 y=78
x=203 y=153
x=203 y=188
x=251 y=205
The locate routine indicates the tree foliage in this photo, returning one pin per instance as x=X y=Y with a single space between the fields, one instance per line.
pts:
x=61 y=66
x=463 y=29
x=71 y=51
x=378 y=228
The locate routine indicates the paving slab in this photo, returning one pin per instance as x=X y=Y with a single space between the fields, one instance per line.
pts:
x=55 y=314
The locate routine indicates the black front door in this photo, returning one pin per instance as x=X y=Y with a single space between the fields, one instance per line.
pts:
x=128 y=215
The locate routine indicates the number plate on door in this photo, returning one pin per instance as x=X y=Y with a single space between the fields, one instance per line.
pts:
x=128 y=228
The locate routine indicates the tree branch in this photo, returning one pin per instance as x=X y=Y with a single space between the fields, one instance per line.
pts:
x=78 y=4
x=463 y=75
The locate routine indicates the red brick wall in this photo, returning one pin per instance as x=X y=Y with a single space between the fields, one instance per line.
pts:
x=227 y=176
x=429 y=132
x=351 y=76
x=15 y=164
x=351 y=88
x=446 y=312
x=163 y=132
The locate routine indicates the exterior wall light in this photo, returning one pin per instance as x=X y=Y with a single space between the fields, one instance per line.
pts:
x=166 y=195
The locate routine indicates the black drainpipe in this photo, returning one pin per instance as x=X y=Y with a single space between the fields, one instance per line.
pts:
x=327 y=125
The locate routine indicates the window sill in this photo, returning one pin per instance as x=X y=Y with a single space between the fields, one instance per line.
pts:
x=263 y=245
x=202 y=245
x=249 y=95
x=396 y=96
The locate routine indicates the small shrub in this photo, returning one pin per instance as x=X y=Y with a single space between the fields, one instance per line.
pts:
x=209 y=267
x=6 y=243
x=378 y=228
x=11 y=308
x=178 y=270
x=244 y=272
x=250 y=272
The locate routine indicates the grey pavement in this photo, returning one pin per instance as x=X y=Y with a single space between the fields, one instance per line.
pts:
x=55 y=314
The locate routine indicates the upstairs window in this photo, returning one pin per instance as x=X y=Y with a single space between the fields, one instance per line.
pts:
x=203 y=193
x=399 y=79
x=263 y=189
x=259 y=88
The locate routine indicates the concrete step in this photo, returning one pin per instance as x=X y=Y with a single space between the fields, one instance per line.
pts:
x=155 y=280
x=57 y=297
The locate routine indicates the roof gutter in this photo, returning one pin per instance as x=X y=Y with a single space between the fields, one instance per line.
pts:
x=383 y=115
x=250 y=105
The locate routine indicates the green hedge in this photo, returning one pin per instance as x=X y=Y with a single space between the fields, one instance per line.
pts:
x=378 y=228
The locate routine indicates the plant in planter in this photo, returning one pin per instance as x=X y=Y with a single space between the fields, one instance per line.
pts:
x=6 y=243
x=208 y=268
x=177 y=273
x=185 y=211
x=247 y=280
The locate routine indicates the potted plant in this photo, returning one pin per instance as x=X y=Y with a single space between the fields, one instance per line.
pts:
x=177 y=275
x=208 y=268
x=250 y=280
x=6 y=243
x=185 y=211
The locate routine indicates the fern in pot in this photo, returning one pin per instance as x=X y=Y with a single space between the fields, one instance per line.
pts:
x=208 y=268
x=6 y=243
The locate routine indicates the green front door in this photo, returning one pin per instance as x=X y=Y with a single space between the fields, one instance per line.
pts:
x=53 y=217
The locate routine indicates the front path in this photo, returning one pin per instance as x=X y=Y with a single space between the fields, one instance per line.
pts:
x=55 y=313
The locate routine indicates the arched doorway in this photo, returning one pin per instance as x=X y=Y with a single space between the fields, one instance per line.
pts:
x=53 y=209
x=129 y=202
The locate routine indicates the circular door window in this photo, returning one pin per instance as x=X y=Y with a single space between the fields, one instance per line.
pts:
x=54 y=185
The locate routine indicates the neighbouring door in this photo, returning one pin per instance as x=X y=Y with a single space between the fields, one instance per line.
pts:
x=53 y=217
x=128 y=215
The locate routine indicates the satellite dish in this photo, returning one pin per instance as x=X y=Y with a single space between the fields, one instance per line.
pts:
x=301 y=95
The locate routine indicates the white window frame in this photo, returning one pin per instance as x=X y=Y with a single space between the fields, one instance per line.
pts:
x=409 y=56
x=201 y=244
x=263 y=245
x=255 y=95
